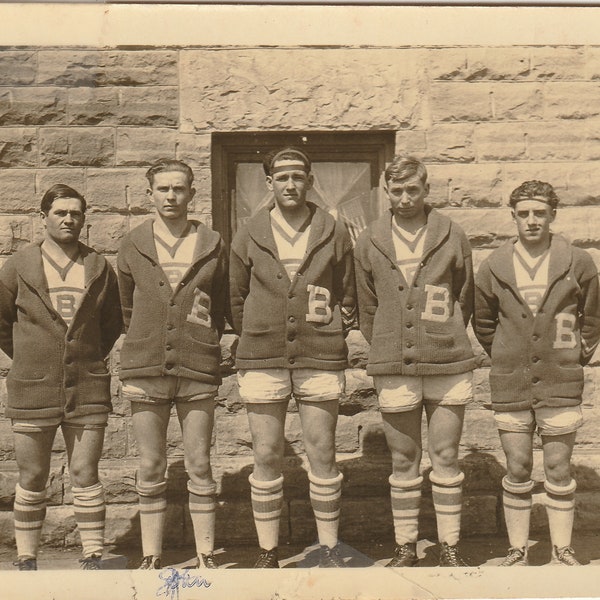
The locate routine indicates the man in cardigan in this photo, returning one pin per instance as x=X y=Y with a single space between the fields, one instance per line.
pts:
x=173 y=284
x=537 y=315
x=59 y=318
x=292 y=295
x=415 y=285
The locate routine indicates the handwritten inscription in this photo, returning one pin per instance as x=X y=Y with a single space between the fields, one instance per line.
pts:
x=174 y=580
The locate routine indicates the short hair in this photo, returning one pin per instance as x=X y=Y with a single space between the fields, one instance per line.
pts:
x=165 y=165
x=60 y=190
x=403 y=167
x=286 y=153
x=534 y=190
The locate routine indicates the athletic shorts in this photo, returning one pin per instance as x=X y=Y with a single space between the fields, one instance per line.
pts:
x=259 y=386
x=548 y=420
x=167 y=389
x=403 y=393
x=92 y=421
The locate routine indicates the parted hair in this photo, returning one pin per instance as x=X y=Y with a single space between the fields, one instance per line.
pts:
x=60 y=190
x=165 y=165
x=402 y=167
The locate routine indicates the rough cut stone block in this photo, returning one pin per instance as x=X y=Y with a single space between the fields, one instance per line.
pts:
x=558 y=141
x=15 y=232
x=558 y=174
x=411 y=141
x=117 y=190
x=366 y=476
x=233 y=435
x=144 y=146
x=583 y=181
x=472 y=185
x=46 y=178
x=94 y=147
x=498 y=64
x=78 y=68
x=17 y=67
x=195 y=150
x=254 y=81
x=358 y=349
x=517 y=101
x=479 y=515
x=93 y=106
x=479 y=431
x=558 y=63
x=104 y=232
x=450 y=142
x=18 y=192
x=149 y=106
x=571 y=100
x=229 y=397
x=483 y=472
x=9 y=475
x=18 y=147
x=7 y=529
x=500 y=141
x=453 y=101
x=446 y=63
x=33 y=106
x=115 y=439
x=347 y=434
x=59 y=527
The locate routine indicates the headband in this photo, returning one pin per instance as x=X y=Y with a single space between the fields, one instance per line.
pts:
x=298 y=153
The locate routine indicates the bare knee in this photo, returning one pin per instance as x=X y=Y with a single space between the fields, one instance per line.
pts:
x=83 y=474
x=33 y=478
x=406 y=463
x=558 y=472
x=152 y=468
x=445 y=457
x=198 y=469
x=519 y=467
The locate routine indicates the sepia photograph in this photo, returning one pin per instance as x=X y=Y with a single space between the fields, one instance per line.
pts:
x=299 y=288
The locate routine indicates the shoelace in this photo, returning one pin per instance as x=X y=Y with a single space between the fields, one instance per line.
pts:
x=265 y=558
x=26 y=564
x=514 y=555
x=209 y=561
x=567 y=555
x=91 y=563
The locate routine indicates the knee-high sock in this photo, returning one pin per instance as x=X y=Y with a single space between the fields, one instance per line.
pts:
x=90 y=514
x=406 y=501
x=325 y=496
x=516 y=500
x=29 y=514
x=447 y=501
x=153 y=510
x=267 y=501
x=202 y=505
x=560 y=506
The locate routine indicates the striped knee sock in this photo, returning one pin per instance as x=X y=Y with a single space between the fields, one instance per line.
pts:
x=29 y=515
x=560 y=506
x=202 y=505
x=153 y=510
x=325 y=495
x=447 y=501
x=90 y=514
x=516 y=499
x=406 y=501
x=267 y=501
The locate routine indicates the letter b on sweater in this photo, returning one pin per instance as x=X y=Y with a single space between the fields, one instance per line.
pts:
x=565 y=337
x=437 y=304
x=319 y=310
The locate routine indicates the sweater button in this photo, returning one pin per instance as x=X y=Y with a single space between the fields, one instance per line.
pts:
x=279 y=275
x=535 y=359
x=409 y=344
x=401 y=287
x=535 y=379
x=290 y=296
x=161 y=282
x=291 y=361
x=169 y=347
x=292 y=319
x=524 y=315
x=169 y=366
x=535 y=337
x=409 y=307
x=409 y=326
x=169 y=326
x=407 y=361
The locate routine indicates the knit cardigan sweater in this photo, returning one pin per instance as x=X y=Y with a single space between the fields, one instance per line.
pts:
x=538 y=361
x=416 y=328
x=298 y=323
x=172 y=332
x=57 y=370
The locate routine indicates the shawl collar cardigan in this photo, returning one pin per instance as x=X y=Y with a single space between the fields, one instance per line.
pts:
x=57 y=370
x=535 y=360
x=163 y=336
x=270 y=312
x=391 y=311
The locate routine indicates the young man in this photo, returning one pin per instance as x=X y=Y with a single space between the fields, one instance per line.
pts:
x=59 y=318
x=173 y=281
x=537 y=315
x=292 y=296
x=415 y=285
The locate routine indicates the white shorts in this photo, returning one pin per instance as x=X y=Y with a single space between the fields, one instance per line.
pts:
x=167 y=389
x=91 y=421
x=403 y=393
x=258 y=386
x=549 y=420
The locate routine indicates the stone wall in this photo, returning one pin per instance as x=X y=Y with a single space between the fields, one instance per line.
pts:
x=484 y=119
